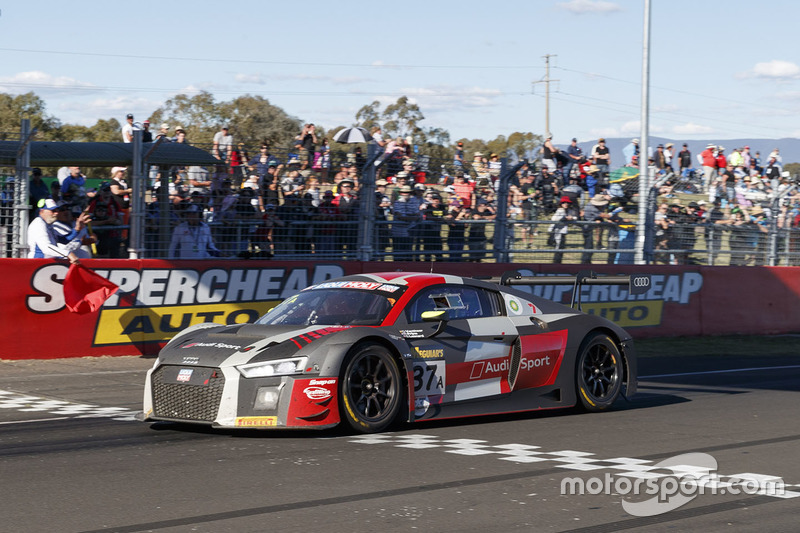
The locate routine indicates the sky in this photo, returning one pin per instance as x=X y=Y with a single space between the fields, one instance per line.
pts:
x=718 y=70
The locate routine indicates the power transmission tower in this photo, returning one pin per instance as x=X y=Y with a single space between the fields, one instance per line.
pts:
x=546 y=80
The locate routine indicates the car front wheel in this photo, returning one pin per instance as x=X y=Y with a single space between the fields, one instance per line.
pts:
x=371 y=389
x=598 y=373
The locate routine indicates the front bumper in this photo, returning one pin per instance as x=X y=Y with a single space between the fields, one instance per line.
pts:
x=223 y=398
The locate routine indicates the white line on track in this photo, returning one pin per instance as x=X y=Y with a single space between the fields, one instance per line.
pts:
x=35 y=420
x=719 y=371
x=99 y=373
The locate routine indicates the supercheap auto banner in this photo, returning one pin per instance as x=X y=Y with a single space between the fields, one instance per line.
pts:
x=157 y=298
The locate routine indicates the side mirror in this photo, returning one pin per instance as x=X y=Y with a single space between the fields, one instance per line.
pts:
x=441 y=316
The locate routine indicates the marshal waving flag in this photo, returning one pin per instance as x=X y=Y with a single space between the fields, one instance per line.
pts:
x=84 y=290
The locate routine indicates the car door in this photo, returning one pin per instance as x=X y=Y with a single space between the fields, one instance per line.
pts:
x=469 y=358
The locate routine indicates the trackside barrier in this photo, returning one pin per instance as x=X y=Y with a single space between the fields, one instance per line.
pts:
x=158 y=298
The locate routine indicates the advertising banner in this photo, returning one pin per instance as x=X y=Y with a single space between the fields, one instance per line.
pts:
x=158 y=298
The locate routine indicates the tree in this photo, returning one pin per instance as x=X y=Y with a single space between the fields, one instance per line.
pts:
x=255 y=120
x=15 y=108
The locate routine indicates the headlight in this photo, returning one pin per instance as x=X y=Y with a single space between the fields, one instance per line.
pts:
x=282 y=367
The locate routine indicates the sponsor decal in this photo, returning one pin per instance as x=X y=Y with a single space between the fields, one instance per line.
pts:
x=412 y=333
x=185 y=374
x=153 y=304
x=317 y=393
x=513 y=306
x=190 y=361
x=322 y=382
x=360 y=285
x=256 y=421
x=434 y=353
x=220 y=345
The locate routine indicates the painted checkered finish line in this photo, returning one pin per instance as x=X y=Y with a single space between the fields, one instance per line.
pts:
x=629 y=467
x=26 y=403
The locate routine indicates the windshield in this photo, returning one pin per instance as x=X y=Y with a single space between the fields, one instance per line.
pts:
x=332 y=307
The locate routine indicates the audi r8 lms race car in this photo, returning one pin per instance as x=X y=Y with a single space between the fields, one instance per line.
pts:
x=373 y=349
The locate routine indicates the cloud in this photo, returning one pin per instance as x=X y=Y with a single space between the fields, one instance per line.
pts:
x=773 y=70
x=579 y=7
x=444 y=97
x=44 y=83
x=260 y=79
x=690 y=128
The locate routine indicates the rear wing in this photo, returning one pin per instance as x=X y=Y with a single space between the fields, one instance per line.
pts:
x=636 y=283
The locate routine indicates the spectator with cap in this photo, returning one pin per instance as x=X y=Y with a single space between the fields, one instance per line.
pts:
x=72 y=230
x=406 y=215
x=37 y=191
x=119 y=187
x=127 y=129
x=594 y=214
x=549 y=152
x=709 y=162
x=669 y=155
x=42 y=238
x=192 y=238
x=659 y=158
x=305 y=142
x=631 y=149
x=147 y=135
x=476 y=239
x=566 y=213
x=326 y=219
x=547 y=185
x=433 y=213
x=383 y=210
x=458 y=157
x=722 y=161
x=180 y=135
x=73 y=188
x=163 y=133
x=601 y=157
x=222 y=146
x=347 y=204
x=456 y=229
x=684 y=159
x=574 y=156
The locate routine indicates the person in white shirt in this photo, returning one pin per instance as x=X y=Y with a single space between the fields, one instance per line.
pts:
x=43 y=239
x=192 y=238
x=127 y=129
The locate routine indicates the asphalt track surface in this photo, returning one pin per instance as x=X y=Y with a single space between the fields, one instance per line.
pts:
x=72 y=459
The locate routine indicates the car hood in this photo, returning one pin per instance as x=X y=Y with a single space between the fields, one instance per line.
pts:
x=216 y=346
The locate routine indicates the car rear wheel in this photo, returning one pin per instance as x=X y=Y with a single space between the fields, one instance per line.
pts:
x=371 y=390
x=598 y=373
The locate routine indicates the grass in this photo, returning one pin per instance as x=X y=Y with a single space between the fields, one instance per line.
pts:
x=724 y=346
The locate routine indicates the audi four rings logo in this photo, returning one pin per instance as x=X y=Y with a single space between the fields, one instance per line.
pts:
x=643 y=281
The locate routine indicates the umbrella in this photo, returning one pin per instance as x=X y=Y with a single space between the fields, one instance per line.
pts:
x=352 y=135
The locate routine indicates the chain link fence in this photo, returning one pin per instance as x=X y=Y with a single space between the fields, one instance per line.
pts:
x=277 y=204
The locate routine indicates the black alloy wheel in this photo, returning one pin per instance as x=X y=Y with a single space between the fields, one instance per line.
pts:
x=371 y=389
x=598 y=373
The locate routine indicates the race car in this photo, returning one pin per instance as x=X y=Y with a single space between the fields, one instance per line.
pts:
x=372 y=350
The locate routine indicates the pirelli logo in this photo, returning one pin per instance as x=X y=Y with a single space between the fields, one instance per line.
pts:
x=256 y=421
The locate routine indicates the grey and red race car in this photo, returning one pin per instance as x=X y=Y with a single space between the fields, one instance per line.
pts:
x=370 y=350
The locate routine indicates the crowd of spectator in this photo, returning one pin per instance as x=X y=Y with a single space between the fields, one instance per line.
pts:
x=298 y=202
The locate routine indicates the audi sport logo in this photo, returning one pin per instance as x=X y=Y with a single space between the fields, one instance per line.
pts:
x=640 y=281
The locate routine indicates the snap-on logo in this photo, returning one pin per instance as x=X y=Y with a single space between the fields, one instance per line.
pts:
x=317 y=393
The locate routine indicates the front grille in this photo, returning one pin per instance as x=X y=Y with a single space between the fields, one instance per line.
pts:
x=513 y=367
x=185 y=401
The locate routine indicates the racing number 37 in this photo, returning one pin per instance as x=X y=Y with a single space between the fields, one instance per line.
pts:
x=429 y=379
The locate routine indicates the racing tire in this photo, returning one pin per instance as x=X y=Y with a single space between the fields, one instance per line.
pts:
x=598 y=373
x=371 y=391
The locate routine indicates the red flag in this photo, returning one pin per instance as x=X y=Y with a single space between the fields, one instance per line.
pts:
x=85 y=291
